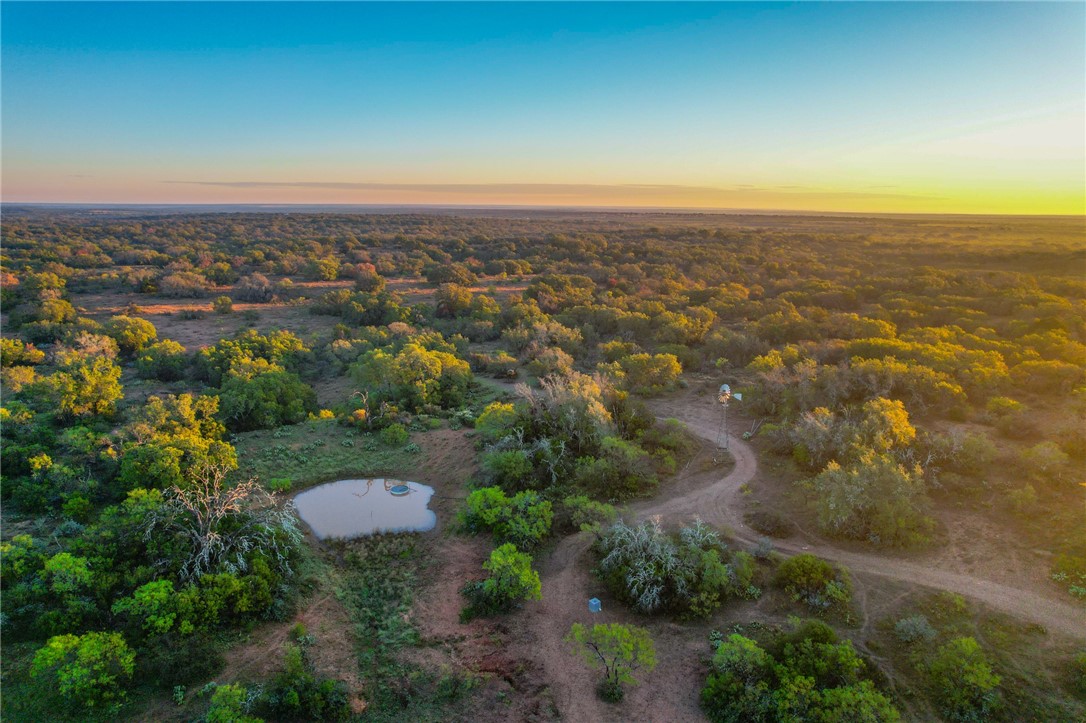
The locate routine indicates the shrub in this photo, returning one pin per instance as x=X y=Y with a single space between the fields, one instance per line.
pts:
x=874 y=498
x=523 y=520
x=814 y=582
x=1070 y=570
x=965 y=686
x=1023 y=500
x=222 y=305
x=166 y=361
x=13 y=352
x=89 y=669
x=259 y=395
x=496 y=421
x=280 y=484
x=395 y=435
x=254 y=288
x=511 y=581
x=581 y=514
x=915 y=628
x=769 y=523
x=183 y=285
x=228 y=706
x=805 y=674
x=131 y=334
x=691 y=573
x=297 y=694
x=620 y=650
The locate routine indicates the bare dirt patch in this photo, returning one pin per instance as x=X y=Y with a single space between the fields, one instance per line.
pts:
x=196 y=333
x=332 y=652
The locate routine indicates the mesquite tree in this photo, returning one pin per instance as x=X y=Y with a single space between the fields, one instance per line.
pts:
x=619 y=649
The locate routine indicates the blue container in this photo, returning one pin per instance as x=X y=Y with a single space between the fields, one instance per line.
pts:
x=594 y=605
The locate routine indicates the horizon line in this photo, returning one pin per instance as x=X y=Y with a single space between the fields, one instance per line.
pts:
x=116 y=205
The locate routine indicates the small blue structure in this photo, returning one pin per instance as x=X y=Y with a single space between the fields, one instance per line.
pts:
x=400 y=490
x=594 y=605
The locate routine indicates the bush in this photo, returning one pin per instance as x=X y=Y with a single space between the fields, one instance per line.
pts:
x=1070 y=570
x=90 y=669
x=228 y=705
x=814 y=582
x=915 y=628
x=874 y=498
x=166 y=361
x=254 y=288
x=581 y=514
x=297 y=694
x=805 y=674
x=131 y=334
x=965 y=686
x=222 y=305
x=280 y=484
x=769 y=523
x=395 y=435
x=511 y=581
x=13 y=352
x=183 y=285
x=691 y=573
x=523 y=520
x=258 y=395
x=620 y=650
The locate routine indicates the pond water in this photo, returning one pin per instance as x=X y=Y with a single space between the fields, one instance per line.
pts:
x=355 y=507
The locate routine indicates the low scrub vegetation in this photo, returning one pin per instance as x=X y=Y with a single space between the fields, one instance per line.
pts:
x=806 y=673
x=690 y=573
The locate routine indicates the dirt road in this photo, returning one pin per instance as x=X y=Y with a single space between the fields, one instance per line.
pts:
x=567 y=584
x=716 y=504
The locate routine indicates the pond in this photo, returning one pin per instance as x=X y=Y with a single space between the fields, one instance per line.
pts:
x=356 y=507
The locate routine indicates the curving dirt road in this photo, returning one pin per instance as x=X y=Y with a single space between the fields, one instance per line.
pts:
x=566 y=585
x=716 y=505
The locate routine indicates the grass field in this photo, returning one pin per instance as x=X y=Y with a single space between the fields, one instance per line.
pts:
x=318 y=451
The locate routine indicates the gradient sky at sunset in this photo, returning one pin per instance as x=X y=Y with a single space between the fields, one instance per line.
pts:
x=959 y=108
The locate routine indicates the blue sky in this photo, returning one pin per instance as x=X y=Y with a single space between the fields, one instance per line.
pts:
x=957 y=107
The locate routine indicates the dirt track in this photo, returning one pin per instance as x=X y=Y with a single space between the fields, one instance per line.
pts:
x=567 y=584
x=716 y=505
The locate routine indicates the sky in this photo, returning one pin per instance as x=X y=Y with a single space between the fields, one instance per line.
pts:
x=843 y=107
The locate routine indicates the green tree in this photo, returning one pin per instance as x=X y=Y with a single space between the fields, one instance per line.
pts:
x=86 y=388
x=152 y=604
x=452 y=300
x=131 y=334
x=523 y=520
x=261 y=395
x=511 y=581
x=89 y=669
x=965 y=685
x=166 y=361
x=620 y=650
x=814 y=581
x=227 y=706
x=739 y=687
x=651 y=373
x=66 y=573
x=496 y=421
x=875 y=499
x=222 y=305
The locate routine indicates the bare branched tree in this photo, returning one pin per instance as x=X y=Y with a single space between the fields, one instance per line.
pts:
x=222 y=523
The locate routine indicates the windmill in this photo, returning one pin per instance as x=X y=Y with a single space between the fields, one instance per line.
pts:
x=724 y=397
